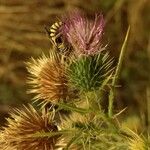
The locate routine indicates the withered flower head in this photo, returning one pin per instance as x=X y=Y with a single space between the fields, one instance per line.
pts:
x=48 y=79
x=83 y=34
x=21 y=127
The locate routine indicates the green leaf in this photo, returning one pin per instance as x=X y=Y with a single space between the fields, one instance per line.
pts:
x=73 y=108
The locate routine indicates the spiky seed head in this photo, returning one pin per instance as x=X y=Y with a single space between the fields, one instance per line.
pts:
x=83 y=34
x=48 y=79
x=136 y=142
x=21 y=127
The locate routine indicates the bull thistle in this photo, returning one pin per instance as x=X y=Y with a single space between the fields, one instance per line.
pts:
x=21 y=127
x=75 y=83
x=84 y=35
x=48 y=79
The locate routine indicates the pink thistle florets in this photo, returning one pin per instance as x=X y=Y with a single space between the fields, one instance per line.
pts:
x=84 y=35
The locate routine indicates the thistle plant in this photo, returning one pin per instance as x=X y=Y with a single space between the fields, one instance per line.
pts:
x=84 y=35
x=137 y=141
x=48 y=79
x=74 y=85
x=89 y=73
x=21 y=127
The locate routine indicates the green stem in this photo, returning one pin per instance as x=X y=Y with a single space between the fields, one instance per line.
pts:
x=117 y=73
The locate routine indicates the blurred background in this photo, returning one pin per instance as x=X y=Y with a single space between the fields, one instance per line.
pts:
x=22 y=35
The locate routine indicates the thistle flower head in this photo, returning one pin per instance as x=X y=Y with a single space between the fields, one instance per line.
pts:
x=47 y=79
x=84 y=35
x=21 y=127
x=90 y=73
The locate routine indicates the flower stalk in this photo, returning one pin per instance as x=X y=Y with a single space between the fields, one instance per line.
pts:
x=117 y=73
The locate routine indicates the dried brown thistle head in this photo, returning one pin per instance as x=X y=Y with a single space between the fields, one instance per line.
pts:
x=23 y=130
x=48 y=79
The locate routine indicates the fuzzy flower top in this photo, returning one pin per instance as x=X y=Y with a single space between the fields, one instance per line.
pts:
x=84 y=35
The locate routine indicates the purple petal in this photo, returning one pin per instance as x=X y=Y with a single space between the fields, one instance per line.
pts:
x=84 y=35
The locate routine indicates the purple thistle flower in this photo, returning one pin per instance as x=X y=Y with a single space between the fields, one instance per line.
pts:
x=84 y=35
